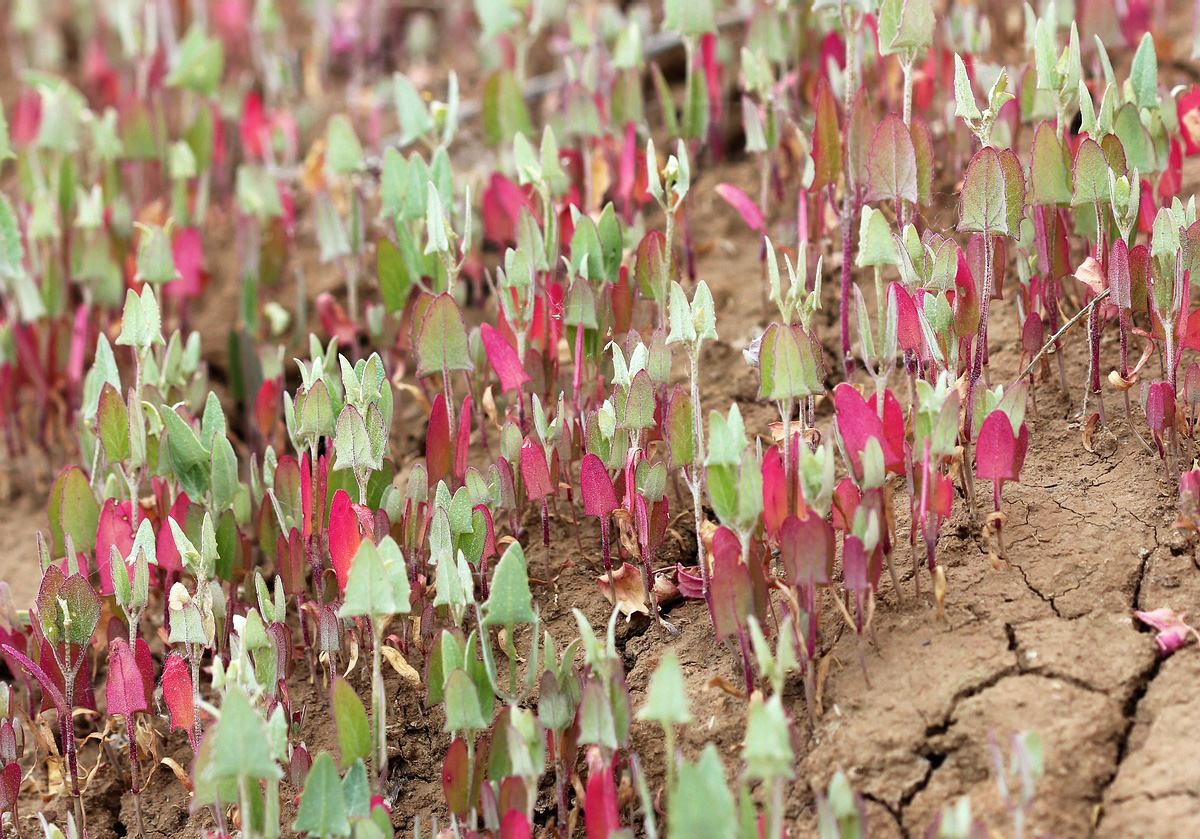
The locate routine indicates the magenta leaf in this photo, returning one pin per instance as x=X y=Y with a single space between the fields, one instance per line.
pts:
x=439 y=455
x=601 y=814
x=503 y=358
x=178 y=695
x=1172 y=631
x=344 y=537
x=744 y=204
x=125 y=691
x=535 y=472
x=599 y=497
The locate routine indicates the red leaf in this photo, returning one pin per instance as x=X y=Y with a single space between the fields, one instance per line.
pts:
x=115 y=529
x=501 y=209
x=456 y=777
x=599 y=496
x=10 y=786
x=124 y=691
x=177 y=694
x=858 y=422
x=774 y=492
x=439 y=457
x=1189 y=120
x=334 y=320
x=514 y=825
x=600 y=808
x=535 y=472
x=503 y=358
x=462 y=448
x=166 y=552
x=806 y=548
x=996 y=449
x=344 y=537
x=908 y=324
x=188 y=250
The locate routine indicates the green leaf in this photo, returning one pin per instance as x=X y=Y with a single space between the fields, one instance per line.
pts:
x=504 y=111
x=357 y=790
x=395 y=283
x=442 y=339
x=690 y=17
x=767 y=749
x=322 y=810
x=915 y=30
x=703 y=781
x=964 y=97
x=496 y=16
x=239 y=742
x=1049 y=181
x=463 y=712
x=1143 y=74
x=141 y=320
x=983 y=204
x=509 y=598
x=12 y=249
x=199 y=63
x=350 y=717
x=415 y=119
x=112 y=420
x=223 y=475
x=680 y=316
x=378 y=585
x=786 y=365
x=875 y=244
x=190 y=461
x=666 y=699
x=80 y=605
x=343 y=152
x=155 y=261
x=1135 y=140
x=352 y=443
x=1090 y=174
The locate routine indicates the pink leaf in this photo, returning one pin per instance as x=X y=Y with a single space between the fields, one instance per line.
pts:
x=439 y=457
x=535 y=472
x=125 y=691
x=344 y=537
x=996 y=449
x=178 y=696
x=1172 y=631
x=188 y=250
x=745 y=206
x=858 y=422
x=462 y=447
x=115 y=529
x=599 y=497
x=334 y=320
x=503 y=358
x=600 y=810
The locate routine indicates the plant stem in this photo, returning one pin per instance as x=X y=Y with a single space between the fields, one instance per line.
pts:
x=696 y=484
x=377 y=694
x=980 y=341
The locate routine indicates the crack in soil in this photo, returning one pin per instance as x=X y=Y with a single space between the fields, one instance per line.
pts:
x=1144 y=680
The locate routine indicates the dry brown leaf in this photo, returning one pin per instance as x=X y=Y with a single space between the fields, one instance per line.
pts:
x=1090 y=274
x=353 y=657
x=630 y=594
x=180 y=773
x=400 y=664
x=1089 y=430
x=722 y=684
x=416 y=393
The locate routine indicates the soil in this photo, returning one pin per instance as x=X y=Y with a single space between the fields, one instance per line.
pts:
x=1043 y=638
